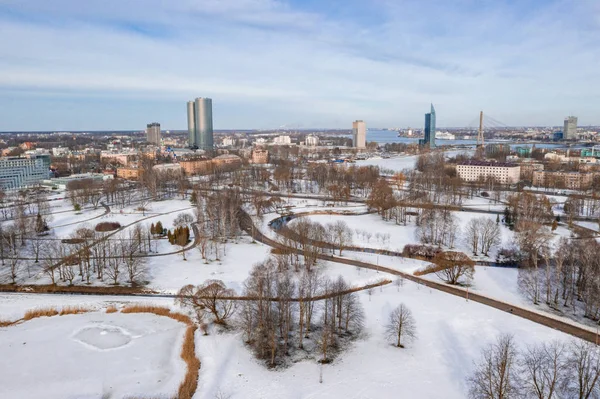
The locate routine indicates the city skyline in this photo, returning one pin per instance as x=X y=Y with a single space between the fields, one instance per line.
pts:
x=299 y=64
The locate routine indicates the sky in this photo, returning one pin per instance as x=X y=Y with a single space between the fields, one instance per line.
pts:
x=120 y=64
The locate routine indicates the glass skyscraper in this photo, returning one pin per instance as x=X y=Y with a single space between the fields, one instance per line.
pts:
x=429 y=139
x=200 y=124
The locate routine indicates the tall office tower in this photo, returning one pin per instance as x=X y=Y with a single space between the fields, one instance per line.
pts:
x=200 y=124
x=570 y=129
x=153 y=133
x=359 y=134
x=429 y=139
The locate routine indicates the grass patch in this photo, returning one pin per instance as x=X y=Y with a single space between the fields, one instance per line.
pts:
x=41 y=312
x=73 y=310
x=112 y=309
x=188 y=386
x=6 y=323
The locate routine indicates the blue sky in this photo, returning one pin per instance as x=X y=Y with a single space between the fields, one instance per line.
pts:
x=119 y=64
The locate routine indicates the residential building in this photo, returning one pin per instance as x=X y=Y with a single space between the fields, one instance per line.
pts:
x=200 y=123
x=60 y=151
x=18 y=172
x=129 y=173
x=227 y=161
x=196 y=166
x=311 y=140
x=153 y=133
x=567 y=180
x=359 y=134
x=429 y=131
x=260 y=156
x=570 y=128
x=122 y=158
x=503 y=172
x=228 y=141
x=527 y=169
x=282 y=140
x=173 y=168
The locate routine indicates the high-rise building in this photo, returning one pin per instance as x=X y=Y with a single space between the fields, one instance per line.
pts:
x=429 y=137
x=359 y=134
x=200 y=124
x=570 y=129
x=17 y=172
x=153 y=133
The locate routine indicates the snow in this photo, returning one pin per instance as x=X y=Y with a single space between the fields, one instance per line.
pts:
x=170 y=273
x=92 y=355
x=401 y=235
x=451 y=334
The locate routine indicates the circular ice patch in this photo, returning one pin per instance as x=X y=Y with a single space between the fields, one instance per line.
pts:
x=103 y=337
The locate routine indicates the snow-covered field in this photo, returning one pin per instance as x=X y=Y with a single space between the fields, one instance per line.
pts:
x=92 y=355
x=400 y=235
x=451 y=333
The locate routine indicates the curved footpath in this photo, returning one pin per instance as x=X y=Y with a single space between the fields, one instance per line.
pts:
x=543 y=319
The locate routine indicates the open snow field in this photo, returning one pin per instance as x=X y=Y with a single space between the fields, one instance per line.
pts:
x=400 y=235
x=92 y=355
x=451 y=333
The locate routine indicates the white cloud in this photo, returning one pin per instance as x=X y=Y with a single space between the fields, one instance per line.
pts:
x=303 y=65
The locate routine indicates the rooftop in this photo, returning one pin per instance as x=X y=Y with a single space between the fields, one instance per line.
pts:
x=489 y=163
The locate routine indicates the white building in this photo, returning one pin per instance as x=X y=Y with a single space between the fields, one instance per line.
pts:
x=228 y=141
x=311 y=140
x=359 y=134
x=282 y=140
x=60 y=151
x=504 y=173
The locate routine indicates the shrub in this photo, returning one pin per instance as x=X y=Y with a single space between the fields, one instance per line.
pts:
x=107 y=226
x=420 y=251
x=72 y=240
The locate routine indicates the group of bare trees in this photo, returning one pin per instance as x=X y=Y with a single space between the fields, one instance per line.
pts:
x=437 y=227
x=217 y=220
x=312 y=238
x=481 y=234
x=565 y=278
x=281 y=311
x=285 y=311
x=544 y=371
x=90 y=257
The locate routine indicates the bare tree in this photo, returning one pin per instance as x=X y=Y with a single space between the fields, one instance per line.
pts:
x=212 y=295
x=584 y=363
x=490 y=234
x=496 y=375
x=472 y=235
x=544 y=370
x=341 y=234
x=183 y=219
x=451 y=266
x=401 y=324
